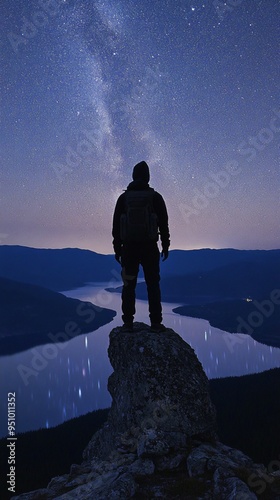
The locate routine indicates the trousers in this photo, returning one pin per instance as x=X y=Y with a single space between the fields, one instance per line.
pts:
x=132 y=256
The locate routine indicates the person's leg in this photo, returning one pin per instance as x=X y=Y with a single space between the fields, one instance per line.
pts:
x=130 y=268
x=150 y=262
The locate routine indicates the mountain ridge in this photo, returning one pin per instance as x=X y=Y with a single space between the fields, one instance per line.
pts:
x=64 y=269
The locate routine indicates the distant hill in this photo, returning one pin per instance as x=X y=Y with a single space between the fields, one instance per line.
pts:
x=72 y=267
x=260 y=319
x=56 y=269
x=28 y=314
x=249 y=278
x=185 y=262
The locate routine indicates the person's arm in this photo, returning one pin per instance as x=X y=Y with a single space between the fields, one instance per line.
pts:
x=161 y=211
x=117 y=244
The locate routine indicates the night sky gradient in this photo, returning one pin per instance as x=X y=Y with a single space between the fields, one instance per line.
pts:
x=89 y=88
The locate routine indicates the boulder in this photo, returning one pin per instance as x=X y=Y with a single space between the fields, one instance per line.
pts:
x=160 y=398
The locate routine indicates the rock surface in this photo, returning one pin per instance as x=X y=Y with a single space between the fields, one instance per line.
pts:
x=160 y=439
x=160 y=395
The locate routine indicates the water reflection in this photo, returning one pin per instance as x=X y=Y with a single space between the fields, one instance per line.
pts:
x=74 y=381
x=223 y=354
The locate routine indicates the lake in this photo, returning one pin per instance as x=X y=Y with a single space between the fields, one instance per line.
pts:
x=73 y=380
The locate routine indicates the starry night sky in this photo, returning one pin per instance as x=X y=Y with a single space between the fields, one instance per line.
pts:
x=89 y=88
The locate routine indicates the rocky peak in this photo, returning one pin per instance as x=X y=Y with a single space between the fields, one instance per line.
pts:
x=160 y=399
x=160 y=437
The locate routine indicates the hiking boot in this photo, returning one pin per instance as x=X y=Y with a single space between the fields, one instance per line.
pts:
x=157 y=328
x=127 y=327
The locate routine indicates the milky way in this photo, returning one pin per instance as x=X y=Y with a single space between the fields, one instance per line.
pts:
x=89 y=88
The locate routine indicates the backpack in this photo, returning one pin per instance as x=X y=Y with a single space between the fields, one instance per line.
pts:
x=139 y=222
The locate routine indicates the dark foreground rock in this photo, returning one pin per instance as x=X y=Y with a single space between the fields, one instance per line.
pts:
x=160 y=439
x=160 y=396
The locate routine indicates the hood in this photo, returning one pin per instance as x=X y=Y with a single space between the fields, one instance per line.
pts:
x=141 y=172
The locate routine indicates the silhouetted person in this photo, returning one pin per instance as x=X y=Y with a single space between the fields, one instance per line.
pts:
x=140 y=217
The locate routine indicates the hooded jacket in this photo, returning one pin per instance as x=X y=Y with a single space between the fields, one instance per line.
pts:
x=139 y=184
